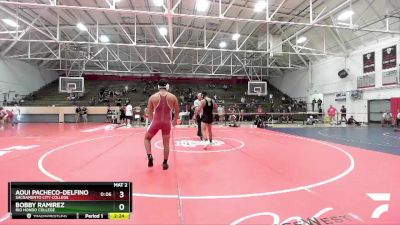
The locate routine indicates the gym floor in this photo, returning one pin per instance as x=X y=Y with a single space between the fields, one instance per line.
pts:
x=250 y=175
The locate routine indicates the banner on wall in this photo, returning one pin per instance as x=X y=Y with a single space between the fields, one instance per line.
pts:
x=366 y=81
x=369 y=62
x=389 y=58
x=390 y=77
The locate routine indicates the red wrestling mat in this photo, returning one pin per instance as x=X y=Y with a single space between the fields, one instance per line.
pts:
x=249 y=176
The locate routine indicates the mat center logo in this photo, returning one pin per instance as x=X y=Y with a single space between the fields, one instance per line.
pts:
x=193 y=143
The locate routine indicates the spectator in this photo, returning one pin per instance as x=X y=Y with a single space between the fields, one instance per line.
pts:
x=137 y=109
x=243 y=100
x=319 y=102
x=109 y=115
x=387 y=118
x=343 y=114
x=331 y=114
x=122 y=116
x=84 y=114
x=271 y=98
x=313 y=104
x=215 y=96
x=17 y=114
x=398 y=118
x=221 y=113
x=311 y=121
x=77 y=114
x=118 y=102
x=128 y=114
x=352 y=121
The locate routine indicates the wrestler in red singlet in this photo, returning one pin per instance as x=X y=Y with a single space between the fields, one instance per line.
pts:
x=159 y=108
x=3 y=117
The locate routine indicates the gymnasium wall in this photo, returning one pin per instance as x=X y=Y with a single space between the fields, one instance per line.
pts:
x=22 y=78
x=323 y=79
x=65 y=114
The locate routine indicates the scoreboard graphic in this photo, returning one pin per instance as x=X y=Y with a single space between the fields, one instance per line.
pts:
x=70 y=200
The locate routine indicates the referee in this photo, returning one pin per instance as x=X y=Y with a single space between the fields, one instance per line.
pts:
x=198 y=117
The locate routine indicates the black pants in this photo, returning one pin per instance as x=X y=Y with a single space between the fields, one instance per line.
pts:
x=198 y=119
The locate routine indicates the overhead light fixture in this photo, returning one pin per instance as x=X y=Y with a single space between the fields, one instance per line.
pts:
x=158 y=2
x=235 y=37
x=301 y=40
x=345 y=15
x=222 y=44
x=163 y=31
x=104 y=38
x=10 y=22
x=202 y=5
x=260 y=6
x=81 y=26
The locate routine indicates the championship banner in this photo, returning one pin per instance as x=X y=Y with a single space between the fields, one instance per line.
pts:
x=389 y=57
x=369 y=62
x=389 y=66
x=366 y=81
x=390 y=77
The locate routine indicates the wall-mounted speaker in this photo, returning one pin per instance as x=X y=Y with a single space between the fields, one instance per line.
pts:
x=343 y=73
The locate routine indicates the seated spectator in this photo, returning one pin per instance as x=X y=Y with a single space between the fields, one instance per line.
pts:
x=311 y=121
x=352 y=121
x=243 y=100
x=387 y=118
x=259 y=122
x=118 y=102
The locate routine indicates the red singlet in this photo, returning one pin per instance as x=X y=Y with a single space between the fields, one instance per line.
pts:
x=162 y=118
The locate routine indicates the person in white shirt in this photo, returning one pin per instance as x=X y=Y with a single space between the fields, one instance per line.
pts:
x=387 y=119
x=17 y=114
x=196 y=105
x=129 y=114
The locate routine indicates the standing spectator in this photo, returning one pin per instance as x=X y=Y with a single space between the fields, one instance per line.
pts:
x=331 y=113
x=221 y=113
x=84 y=114
x=313 y=104
x=109 y=115
x=122 y=116
x=343 y=114
x=17 y=114
x=128 y=114
x=398 y=118
x=137 y=109
x=271 y=98
x=319 y=104
x=77 y=114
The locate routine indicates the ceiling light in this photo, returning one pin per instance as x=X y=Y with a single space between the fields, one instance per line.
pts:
x=163 y=31
x=158 y=2
x=345 y=15
x=235 y=37
x=301 y=40
x=104 y=38
x=260 y=6
x=81 y=26
x=202 y=5
x=222 y=44
x=10 y=23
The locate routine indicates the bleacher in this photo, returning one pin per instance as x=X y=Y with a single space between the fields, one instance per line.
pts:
x=50 y=96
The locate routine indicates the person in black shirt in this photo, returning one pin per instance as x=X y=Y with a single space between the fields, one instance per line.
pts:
x=207 y=106
x=77 y=114
x=343 y=114
x=352 y=121
x=313 y=104
x=319 y=104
